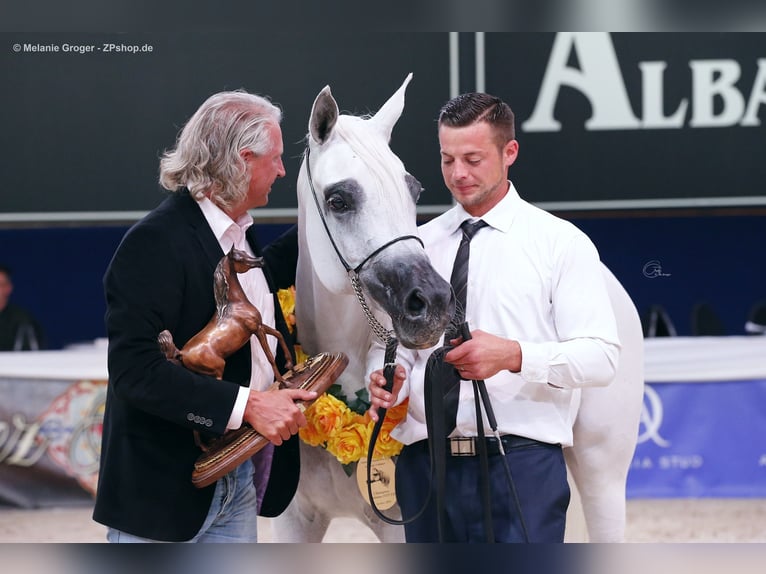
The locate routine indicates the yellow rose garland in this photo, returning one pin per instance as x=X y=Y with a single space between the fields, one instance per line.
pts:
x=346 y=434
x=343 y=428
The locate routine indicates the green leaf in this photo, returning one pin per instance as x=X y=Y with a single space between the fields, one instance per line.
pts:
x=363 y=395
x=361 y=403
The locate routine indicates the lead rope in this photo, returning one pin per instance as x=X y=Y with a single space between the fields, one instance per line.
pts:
x=389 y=367
x=480 y=396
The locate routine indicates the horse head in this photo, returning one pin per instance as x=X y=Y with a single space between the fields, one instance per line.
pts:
x=241 y=262
x=357 y=202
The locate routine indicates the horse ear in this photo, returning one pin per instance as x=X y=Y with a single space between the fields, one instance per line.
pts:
x=324 y=114
x=389 y=113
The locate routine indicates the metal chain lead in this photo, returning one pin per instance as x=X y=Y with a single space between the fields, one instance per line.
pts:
x=379 y=330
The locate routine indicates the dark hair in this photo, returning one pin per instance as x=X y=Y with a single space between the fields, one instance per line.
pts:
x=5 y=269
x=467 y=109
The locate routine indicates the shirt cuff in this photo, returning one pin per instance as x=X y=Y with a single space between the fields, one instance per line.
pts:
x=534 y=362
x=238 y=412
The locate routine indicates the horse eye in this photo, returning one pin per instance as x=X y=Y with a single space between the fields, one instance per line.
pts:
x=414 y=186
x=337 y=204
x=342 y=196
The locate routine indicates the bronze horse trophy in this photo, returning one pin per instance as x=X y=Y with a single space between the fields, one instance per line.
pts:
x=236 y=319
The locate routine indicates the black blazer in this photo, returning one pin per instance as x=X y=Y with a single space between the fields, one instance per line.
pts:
x=161 y=277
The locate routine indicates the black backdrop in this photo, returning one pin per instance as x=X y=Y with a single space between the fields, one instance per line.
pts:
x=82 y=132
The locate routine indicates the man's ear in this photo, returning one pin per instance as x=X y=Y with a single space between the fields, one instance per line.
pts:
x=510 y=152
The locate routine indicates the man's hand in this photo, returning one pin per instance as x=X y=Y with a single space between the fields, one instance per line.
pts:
x=379 y=397
x=275 y=414
x=484 y=355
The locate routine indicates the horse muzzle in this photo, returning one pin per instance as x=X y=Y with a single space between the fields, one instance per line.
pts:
x=418 y=300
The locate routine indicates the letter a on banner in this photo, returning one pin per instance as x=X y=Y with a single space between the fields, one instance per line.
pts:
x=599 y=79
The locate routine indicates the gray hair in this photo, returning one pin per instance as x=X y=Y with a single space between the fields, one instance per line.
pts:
x=206 y=155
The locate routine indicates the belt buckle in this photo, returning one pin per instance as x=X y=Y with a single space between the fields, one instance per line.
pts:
x=462 y=446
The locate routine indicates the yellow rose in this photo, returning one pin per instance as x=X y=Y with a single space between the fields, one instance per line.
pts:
x=325 y=417
x=350 y=443
x=286 y=299
x=396 y=414
x=345 y=434
x=385 y=445
x=300 y=356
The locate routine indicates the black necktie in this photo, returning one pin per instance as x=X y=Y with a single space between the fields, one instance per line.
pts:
x=459 y=277
x=438 y=373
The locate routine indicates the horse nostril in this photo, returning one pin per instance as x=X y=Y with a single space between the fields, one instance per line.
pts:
x=415 y=304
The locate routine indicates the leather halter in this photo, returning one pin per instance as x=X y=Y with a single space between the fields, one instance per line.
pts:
x=387 y=337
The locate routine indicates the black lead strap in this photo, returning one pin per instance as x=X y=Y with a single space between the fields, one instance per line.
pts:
x=480 y=391
x=388 y=372
x=389 y=368
x=486 y=498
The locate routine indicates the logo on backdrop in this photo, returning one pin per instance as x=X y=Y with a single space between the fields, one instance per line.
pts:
x=713 y=101
x=651 y=418
x=653 y=269
x=71 y=429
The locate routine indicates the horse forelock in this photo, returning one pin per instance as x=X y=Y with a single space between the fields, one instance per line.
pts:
x=385 y=169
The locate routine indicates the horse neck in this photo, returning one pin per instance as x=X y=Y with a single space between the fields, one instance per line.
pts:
x=331 y=322
x=235 y=292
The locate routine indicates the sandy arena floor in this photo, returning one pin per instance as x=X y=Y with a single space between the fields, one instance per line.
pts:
x=674 y=520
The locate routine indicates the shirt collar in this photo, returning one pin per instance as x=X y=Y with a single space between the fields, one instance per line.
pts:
x=500 y=217
x=219 y=222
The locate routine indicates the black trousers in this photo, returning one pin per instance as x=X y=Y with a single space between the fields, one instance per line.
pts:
x=538 y=471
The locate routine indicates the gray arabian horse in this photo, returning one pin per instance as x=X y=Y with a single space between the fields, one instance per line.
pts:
x=357 y=218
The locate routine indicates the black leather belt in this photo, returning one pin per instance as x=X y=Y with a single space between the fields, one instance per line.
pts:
x=469 y=445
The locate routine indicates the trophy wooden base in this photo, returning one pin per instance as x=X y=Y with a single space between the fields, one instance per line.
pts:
x=224 y=454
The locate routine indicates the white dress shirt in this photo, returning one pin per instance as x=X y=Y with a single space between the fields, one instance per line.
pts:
x=255 y=286
x=536 y=279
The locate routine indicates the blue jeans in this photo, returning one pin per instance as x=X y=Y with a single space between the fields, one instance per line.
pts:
x=232 y=516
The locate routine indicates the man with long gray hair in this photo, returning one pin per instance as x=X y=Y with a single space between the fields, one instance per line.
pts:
x=224 y=163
